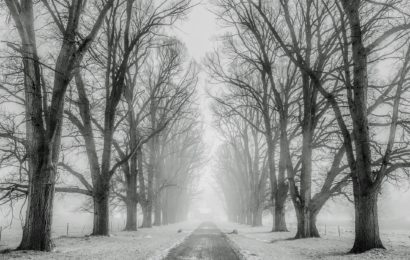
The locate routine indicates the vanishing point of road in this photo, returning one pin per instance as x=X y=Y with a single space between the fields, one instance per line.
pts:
x=206 y=242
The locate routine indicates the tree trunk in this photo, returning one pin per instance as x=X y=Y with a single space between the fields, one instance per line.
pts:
x=146 y=217
x=280 y=220
x=131 y=223
x=282 y=188
x=41 y=166
x=131 y=200
x=37 y=228
x=313 y=229
x=306 y=219
x=146 y=220
x=271 y=167
x=101 y=213
x=166 y=211
x=366 y=223
x=365 y=189
x=43 y=153
x=150 y=198
x=303 y=228
x=131 y=177
x=149 y=214
x=302 y=204
x=151 y=174
x=157 y=210
x=279 y=210
x=303 y=222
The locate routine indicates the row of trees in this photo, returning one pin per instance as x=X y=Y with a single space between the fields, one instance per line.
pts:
x=315 y=96
x=242 y=166
x=102 y=79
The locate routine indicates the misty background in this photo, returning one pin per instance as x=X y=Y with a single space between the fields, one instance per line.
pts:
x=199 y=32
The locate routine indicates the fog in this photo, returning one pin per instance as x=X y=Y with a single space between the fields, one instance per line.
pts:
x=191 y=120
x=199 y=32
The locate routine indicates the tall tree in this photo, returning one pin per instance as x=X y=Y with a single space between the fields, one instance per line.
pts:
x=252 y=48
x=244 y=163
x=115 y=57
x=359 y=31
x=170 y=87
x=44 y=119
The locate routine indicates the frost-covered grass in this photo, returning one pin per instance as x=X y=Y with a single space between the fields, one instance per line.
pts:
x=260 y=243
x=144 y=244
x=253 y=243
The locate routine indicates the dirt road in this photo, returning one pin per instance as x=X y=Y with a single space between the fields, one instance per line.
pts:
x=206 y=242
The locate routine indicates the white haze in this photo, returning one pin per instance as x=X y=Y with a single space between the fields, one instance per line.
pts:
x=199 y=32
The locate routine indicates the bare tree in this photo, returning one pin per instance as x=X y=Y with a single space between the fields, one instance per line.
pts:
x=43 y=127
x=253 y=48
x=279 y=90
x=181 y=157
x=170 y=87
x=115 y=56
x=244 y=164
x=351 y=24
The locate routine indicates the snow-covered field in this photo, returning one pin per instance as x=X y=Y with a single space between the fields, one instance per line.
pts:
x=260 y=243
x=143 y=244
x=253 y=243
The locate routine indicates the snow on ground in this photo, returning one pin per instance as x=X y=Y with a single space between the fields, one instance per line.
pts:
x=254 y=243
x=144 y=244
x=259 y=243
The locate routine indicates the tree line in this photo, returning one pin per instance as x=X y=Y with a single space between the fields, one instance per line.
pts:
x=312 y=103
x=106 y=82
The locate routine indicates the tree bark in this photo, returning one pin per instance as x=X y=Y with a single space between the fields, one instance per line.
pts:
x=306 y=218
x=101 y=213
x=279 y=213
x=302 y=201
x=146 y=217
x=41 y=162
x=152 y=163
x=132 y=170
x=366 y=223
x=148 y=208
x=303 y=223
x=37 y=228
x=157 y=206
x=282 y=188
x=131 y=204
x=150 y=196
x=313 y=229
x=365 y=189
x=166 y=211
x=131 y=222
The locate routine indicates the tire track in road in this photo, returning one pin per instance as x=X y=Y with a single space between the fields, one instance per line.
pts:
x=206 y=242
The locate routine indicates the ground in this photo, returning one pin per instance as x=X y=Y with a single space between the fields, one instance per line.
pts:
x=206 y=241
x=260 y=243
x=143 y=244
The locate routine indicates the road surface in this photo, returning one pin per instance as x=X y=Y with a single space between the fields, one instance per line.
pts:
x=206 y=242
